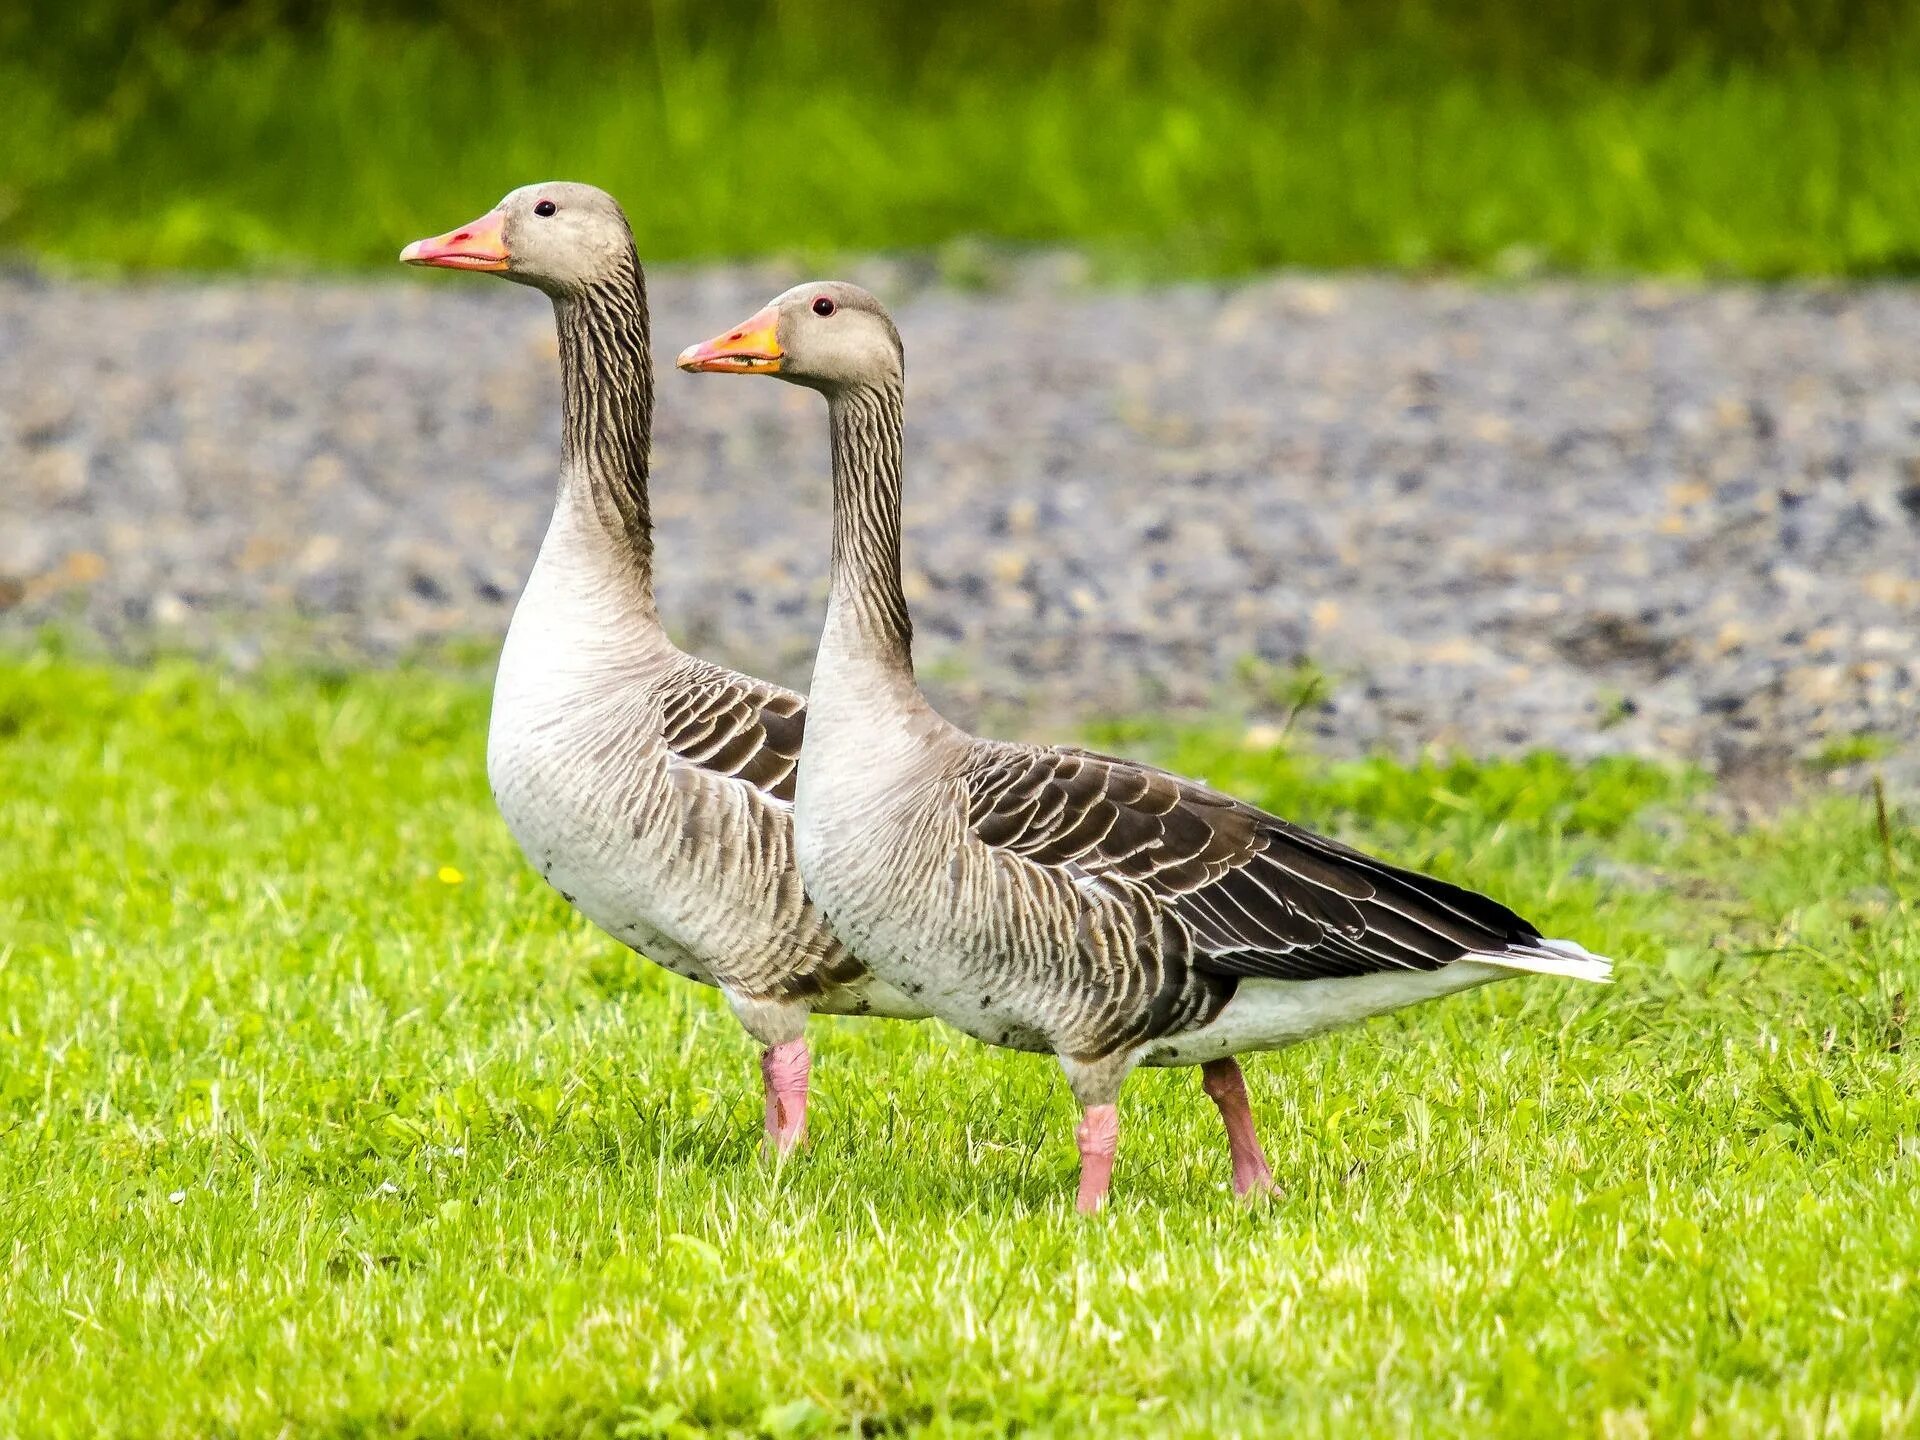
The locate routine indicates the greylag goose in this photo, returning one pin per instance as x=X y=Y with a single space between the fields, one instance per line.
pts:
x=1051 y=899
x=654 y=790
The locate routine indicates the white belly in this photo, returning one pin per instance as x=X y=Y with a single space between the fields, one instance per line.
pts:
x=1273 y=1014
x=574 y=819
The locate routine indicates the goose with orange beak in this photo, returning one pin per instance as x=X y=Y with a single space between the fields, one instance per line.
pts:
x=651 y=788
x=752 y=349
x=1050 y=899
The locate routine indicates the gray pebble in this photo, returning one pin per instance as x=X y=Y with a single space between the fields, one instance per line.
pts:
x=1640 y=518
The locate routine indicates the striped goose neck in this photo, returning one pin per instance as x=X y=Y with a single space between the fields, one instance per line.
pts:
x=866 y=426
x=606 y=379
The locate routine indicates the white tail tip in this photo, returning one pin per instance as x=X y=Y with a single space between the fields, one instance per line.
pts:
x=1565 y=958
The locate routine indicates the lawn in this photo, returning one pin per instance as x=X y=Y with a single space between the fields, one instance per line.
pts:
x=1173 y=137
x=319 y=1116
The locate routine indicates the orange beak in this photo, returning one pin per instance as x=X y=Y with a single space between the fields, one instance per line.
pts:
x=752 y=349
x=481 y=245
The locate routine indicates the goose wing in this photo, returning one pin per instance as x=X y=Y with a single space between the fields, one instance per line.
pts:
x=736 y=727
x=1255 y=895
x=735 y=747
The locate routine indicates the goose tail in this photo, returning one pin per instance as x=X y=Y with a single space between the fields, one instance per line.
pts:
x=1565 y=958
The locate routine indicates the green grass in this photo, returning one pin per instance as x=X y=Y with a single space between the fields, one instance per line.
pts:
x=1169 y=144
x=299 y=1137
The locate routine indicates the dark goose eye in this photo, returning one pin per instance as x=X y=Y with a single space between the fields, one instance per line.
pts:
x=823 y=306
x=545 y=207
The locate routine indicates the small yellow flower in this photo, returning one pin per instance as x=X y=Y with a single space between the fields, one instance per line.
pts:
x=450 y=876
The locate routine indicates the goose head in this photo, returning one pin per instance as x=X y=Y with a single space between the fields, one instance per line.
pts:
x=561 y=237
x=826 y=335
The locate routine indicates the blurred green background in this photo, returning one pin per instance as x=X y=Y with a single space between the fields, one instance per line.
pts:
x=1747 y=137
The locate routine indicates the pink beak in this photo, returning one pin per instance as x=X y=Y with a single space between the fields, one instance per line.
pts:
x=481 y=245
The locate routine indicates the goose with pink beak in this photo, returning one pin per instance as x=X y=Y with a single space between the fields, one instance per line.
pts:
x=653 y=789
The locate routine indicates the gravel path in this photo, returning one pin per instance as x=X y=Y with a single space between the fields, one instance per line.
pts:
x=1671 y=521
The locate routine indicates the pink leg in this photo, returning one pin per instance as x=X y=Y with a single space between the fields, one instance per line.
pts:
x=1227 y=1088
x=784 y=1068
x=1099 y=1137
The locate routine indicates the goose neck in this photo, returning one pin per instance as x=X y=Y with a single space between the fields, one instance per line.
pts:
x=606 y=375
x=867 y=605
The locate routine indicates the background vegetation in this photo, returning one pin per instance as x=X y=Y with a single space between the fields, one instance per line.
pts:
x=1689 y=136
x=319 y=1116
